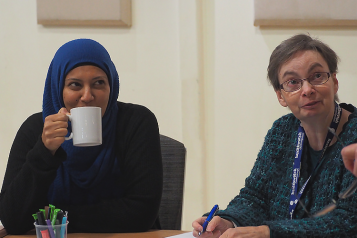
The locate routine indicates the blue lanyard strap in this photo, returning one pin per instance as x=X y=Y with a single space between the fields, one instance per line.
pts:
x=294 y=195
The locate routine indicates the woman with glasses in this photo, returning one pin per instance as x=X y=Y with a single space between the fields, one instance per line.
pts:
x=299 y=169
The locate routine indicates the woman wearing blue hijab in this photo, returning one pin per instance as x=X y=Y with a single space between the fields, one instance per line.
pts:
x=113 y=187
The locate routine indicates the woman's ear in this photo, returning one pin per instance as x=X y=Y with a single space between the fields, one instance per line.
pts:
x=281 y=98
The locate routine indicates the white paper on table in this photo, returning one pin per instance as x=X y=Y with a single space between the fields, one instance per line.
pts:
x=184 y=235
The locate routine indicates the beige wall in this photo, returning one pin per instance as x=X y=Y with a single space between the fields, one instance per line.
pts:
x=200 y=66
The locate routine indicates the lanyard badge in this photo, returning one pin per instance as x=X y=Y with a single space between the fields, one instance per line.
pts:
x=295 y=195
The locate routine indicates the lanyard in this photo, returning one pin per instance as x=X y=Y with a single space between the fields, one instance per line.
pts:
x=294 y=196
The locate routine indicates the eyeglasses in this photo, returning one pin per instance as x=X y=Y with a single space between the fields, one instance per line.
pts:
x=318 y=78
x=343 y=195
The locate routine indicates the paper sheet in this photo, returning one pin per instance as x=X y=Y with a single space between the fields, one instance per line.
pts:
x=184 y=235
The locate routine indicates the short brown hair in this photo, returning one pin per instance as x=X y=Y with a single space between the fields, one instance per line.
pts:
x=289 y=47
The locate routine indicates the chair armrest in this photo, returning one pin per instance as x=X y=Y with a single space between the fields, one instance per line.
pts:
x=2 y=231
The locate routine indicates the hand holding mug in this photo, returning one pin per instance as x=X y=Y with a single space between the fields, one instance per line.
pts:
x=86 y=128
x=54 y=130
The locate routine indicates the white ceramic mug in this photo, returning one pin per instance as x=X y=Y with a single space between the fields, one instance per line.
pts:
x=86 y=126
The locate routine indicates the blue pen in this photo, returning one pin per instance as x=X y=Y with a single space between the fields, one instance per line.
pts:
x=63 y=228
x=209 y=218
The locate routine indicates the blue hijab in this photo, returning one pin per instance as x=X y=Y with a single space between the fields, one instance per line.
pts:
x=88 y=173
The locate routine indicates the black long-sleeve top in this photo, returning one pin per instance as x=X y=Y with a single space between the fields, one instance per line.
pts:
x=31 y=170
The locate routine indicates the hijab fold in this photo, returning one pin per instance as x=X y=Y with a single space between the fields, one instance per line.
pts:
x=87 y=174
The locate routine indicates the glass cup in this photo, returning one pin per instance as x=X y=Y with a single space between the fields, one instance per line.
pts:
x=51 y=231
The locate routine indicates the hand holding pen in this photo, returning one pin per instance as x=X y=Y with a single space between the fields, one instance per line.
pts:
x=215 y=227
x=209 y=218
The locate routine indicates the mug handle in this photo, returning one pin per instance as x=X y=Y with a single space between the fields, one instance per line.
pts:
x=71 y=135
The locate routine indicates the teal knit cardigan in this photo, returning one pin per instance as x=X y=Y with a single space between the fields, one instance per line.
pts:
x=265 y=198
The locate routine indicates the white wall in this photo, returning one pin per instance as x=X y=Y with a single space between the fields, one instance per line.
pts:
x=200 y=66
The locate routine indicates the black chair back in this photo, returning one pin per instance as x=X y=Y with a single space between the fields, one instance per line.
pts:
x=173 y=161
